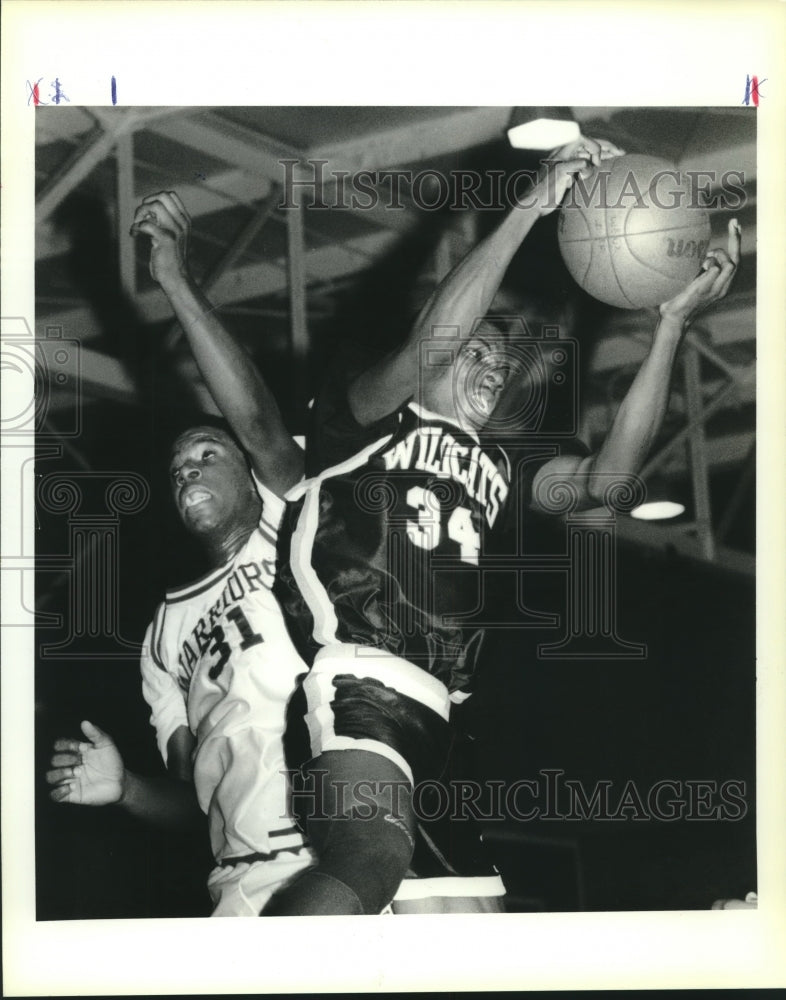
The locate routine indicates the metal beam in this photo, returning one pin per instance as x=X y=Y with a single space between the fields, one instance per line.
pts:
x=297 y=296
x=738 y=497
x=243 y=283
x=697 y=442
x=97 y=146
x=87 y=157
x=415 y=141
x=253 y=152
x=232 y=255
x=663 y=453
x=126 y=246
x=220 y=191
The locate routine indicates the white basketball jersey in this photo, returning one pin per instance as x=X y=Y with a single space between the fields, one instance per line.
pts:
x=218 y=659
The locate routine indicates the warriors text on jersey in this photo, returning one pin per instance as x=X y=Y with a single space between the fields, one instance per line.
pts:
x=382 y=547
x=219 y=660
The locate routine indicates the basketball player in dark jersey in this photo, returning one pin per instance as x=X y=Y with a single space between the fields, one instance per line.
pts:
x=385 y=539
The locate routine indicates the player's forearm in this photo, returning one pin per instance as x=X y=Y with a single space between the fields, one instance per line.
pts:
x=164 y=801
x=237 y=387
x=639 y=418
x=463 y=297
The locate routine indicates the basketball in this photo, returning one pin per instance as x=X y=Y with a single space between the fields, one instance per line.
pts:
x=634 y=233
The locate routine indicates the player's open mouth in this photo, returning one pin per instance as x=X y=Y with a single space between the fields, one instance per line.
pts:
x=486 y=397
x=193 y=496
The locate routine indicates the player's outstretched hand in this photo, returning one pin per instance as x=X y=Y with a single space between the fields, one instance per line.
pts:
x=88 y=773
x=712 y=282
x=164 y=219
x=557 y=174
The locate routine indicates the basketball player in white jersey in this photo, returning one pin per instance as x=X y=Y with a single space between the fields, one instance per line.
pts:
x=217 y=670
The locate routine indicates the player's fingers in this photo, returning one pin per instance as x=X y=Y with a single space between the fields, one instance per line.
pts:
x=152 y=216
x=162 y=211
x=590 y=148
x=179 y=202
x=720 y=264
x=62 y=744
x=174 y=208
x=60 y=774
x=155 y=232
x=735 y=241
x=609 y=149
x=600 y=149
x=92 y=732
x=62 y=793
x=578 y=165
x=710 y=262
x=65 y=759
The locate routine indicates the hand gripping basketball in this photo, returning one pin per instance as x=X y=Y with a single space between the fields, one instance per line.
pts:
x=577 y=158
x=633 y=233
x=712 y=282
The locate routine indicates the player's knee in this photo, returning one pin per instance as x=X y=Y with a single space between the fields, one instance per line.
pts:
x=371 y=856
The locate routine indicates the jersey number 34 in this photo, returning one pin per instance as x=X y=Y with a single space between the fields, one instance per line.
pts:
x=425 y=532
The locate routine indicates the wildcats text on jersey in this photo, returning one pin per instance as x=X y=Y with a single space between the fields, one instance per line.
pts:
x=433 y=449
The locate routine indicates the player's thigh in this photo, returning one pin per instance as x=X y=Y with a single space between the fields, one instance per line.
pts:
x=360 y=783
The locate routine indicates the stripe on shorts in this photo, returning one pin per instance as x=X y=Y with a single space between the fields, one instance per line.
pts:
x=424 y=888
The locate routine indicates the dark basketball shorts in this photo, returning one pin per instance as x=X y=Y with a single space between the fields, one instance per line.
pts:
x=356 y=698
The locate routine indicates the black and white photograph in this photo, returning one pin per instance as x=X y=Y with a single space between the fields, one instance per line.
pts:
x=383 y=491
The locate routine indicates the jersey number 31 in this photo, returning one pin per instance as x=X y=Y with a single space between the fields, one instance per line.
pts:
x=220 y=646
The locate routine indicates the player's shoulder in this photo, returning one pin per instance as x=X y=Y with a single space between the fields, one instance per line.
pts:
x=335 y=435
x=188 y=593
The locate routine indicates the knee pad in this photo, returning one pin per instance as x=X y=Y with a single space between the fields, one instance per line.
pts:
x=368 y=855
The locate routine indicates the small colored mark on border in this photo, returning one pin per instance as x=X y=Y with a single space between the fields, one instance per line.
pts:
x=753 y=90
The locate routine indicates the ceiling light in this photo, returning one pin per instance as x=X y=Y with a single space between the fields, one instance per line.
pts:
x=542 y=128
x=663 y=501
x=657 y=510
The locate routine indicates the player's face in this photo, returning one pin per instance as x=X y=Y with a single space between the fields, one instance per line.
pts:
x=210 y=482
x=482 y=370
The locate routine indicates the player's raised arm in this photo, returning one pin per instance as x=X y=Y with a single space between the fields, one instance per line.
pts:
x=465 y=295
x=234 y=382
x=639 y=418
x=91 y=772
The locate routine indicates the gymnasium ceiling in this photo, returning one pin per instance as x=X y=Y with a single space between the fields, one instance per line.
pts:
x=283 y=280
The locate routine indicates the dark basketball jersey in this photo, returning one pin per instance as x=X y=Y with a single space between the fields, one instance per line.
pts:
x=382 y=545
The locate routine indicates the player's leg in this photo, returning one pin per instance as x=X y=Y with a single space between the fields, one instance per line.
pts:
x=359 y=819
x=243 y=888
x=366 y=744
